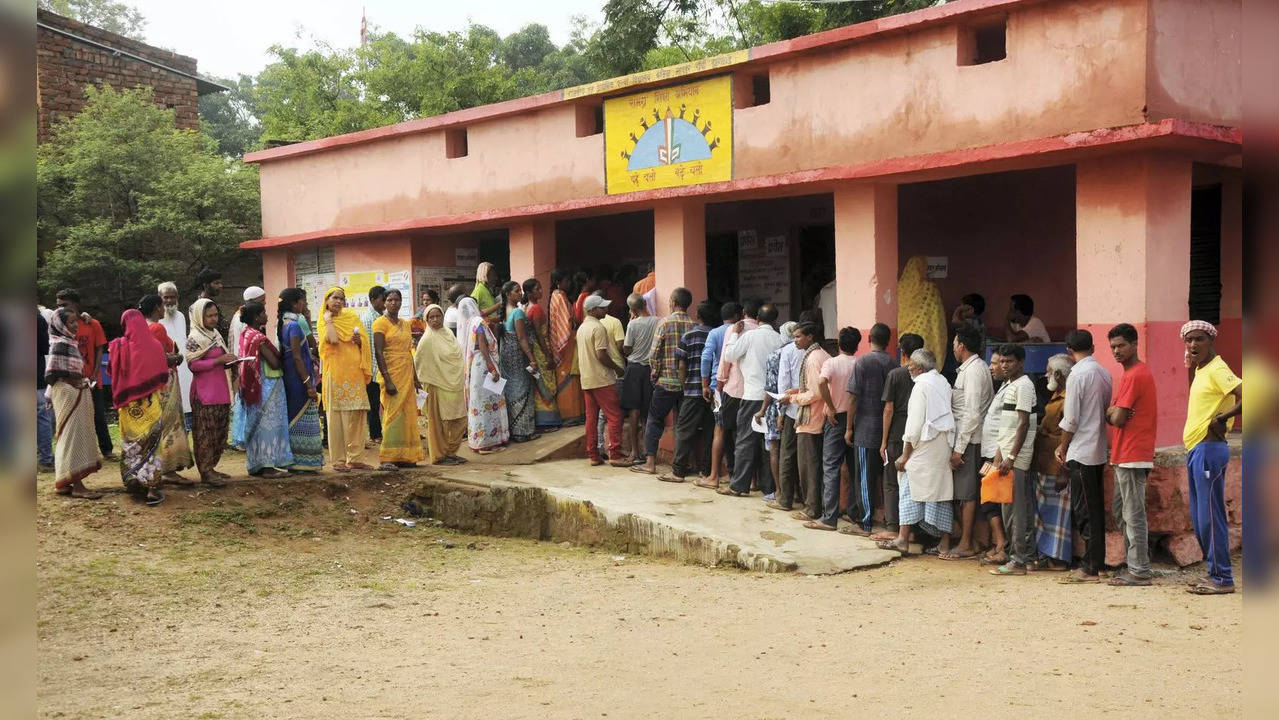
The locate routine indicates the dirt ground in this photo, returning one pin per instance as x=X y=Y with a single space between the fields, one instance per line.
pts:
x=294 y=599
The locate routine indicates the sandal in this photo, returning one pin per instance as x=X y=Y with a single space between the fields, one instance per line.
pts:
x=892 y=545
x=997 y=559
x=387 y=467
x=213 y=482
x=1008 y=569
x=1124 y=579
x=1047 y=565
x=732 y=493
x=341 y=468
x=707 y=485
x=669 y=478
x=1210 y=588
x=952 y=555
x=801 y=515
x=84 y=494
x=818 y=525
x=773 y=504
x=359 y=466
x=640 y=468
x=883 y=536
x=856 y=530
x=1076 y=578
x=155 y=499
x=273 y=474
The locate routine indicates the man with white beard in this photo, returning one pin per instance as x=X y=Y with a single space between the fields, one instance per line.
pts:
x=175 y=324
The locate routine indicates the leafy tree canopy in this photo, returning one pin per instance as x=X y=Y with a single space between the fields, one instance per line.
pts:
x=117 y=17
x=126 y=201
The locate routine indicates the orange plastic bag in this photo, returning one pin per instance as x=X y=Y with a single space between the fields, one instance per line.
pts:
x=997 y=487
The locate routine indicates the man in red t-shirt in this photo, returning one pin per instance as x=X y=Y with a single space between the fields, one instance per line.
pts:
x=1132 y=415
x=92 y=342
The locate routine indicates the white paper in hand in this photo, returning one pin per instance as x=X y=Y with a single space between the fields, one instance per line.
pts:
x=494 y=384
x=776 y=396
x=757 y=424
x=421 y=398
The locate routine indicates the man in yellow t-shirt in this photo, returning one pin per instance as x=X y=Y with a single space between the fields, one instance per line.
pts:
x=1216 y=399
x=600 y=367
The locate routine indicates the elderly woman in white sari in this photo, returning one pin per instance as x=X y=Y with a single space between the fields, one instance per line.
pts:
x=926 y=483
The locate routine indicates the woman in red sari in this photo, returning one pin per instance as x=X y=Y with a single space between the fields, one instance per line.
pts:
x=568 y=381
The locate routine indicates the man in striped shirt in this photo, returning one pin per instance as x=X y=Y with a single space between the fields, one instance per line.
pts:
x=667 y=387
x=695 y=423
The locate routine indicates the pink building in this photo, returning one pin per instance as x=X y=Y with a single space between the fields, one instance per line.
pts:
x=1085 y=152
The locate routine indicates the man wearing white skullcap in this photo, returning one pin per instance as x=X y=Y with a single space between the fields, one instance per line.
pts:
x=1216 y=399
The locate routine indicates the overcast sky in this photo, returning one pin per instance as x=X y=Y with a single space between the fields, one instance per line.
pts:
x=229 y=37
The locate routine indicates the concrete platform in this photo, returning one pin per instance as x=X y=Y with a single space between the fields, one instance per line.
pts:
x=568 y=500
x=562 y=444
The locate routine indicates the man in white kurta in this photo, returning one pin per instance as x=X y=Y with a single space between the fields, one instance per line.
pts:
x=926 y=483
x=175 y=325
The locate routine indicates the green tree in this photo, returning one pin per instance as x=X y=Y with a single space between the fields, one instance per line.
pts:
x=117 y=17
x=126 y=201
x=231 y=118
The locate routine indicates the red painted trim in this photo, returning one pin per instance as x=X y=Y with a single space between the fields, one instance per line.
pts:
x=783 y=49
x=1043 y=148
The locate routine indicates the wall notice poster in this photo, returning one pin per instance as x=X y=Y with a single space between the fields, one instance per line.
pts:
x=466 y=257
x=400 y=280
x=763 y=270
x=440 y=279
x=938 y=267
x=668 y=137
x=356 y=286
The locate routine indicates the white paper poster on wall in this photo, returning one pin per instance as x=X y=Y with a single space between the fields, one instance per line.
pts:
x=401 y=280
x=440 y=279
x=938 y=266
x=747 y=241
x=466 y=257
x=763 y=270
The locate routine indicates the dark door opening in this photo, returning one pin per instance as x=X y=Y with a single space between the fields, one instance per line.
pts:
x=1205 y=254
x=721 y=267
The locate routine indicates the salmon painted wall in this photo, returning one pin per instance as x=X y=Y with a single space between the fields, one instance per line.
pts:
x=1004 y=233
x=1071 y=66
x=1195 y=66
x=277 y=274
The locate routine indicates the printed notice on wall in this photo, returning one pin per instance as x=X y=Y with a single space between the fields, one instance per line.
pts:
x=938 y=267
x=356 y=286
x=763 y=270
x=466 y=257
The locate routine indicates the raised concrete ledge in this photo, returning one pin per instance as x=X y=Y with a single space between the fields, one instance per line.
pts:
x=636 y=514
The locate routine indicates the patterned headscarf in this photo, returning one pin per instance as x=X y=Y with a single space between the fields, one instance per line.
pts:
x=200 y=339
x=64 y=354
x=1193 y=325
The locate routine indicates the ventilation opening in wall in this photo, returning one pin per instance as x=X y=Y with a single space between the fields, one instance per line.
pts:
x=590 y=120
x=983 y=43
x=751 y=89
x=455 y=143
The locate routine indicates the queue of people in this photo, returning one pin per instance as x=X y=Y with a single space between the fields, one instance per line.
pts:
x=754 y=406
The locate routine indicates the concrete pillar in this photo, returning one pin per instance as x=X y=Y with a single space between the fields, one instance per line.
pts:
x=533 y=251
x=277 y=274
x=866 y=255
x=679 y=249
x=1132 y=247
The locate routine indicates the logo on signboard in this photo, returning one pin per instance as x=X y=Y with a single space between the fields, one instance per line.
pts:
x=671 y=136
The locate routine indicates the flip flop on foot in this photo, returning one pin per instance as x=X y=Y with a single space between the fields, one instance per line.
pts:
x=639 y=468
x=856 y=530
x=956 y=555
x=214 y=482
x=706 y=484
x=1125 y=579
x=341 y=468
x=669 y=478
x=818 y=525
x=360 y=466
x=389 y=467
x=731 y=492
x=1078 y=578
x=893 y=545
x=1009 y=569
x=622 y=464
x=1210 y=588
x=80 y=493
x=774 y=505
x=883 y=536
x=596 y=462
x=801 y=515
x=155 y=497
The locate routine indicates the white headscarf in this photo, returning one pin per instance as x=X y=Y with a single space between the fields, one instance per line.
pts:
x=467 y=310
x=937 y=396
x=202 y=339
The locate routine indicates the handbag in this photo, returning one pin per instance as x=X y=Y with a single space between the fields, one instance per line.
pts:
x=997 y=487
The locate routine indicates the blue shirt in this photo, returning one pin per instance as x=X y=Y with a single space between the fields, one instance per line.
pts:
x=711 y=352
x=788 y=367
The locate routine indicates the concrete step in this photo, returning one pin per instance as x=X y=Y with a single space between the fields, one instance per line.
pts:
x=563 y=444
x=567 y=500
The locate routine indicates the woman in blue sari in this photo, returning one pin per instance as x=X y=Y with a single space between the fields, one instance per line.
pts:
x=266 y=423
x=300 y=375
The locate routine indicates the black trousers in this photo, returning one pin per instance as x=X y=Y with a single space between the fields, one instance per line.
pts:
x=728 y=425
x=101 y=399
x=375 y=410
x=748 y=452
x=663 y=403
x=694 y=428
x=1088 y=513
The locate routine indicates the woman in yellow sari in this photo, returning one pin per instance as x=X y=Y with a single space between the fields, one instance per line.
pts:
x=442 y=373
x=393 y=344
x=346 y=368
x=919 y=308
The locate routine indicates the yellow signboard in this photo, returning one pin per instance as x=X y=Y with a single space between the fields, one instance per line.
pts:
x=668 y=137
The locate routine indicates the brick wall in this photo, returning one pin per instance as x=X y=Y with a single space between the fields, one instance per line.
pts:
x=65 y=65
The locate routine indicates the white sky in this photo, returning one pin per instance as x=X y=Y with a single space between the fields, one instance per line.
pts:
x=229 y=37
